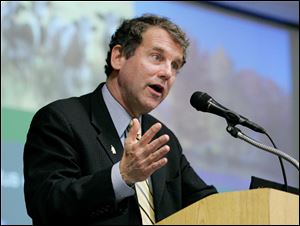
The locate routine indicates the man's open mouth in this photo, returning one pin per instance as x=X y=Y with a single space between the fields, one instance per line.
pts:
x=157 y=88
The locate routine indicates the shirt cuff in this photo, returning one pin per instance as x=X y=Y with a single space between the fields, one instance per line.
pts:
x=121 y=189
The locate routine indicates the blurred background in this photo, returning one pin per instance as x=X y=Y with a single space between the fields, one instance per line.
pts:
x=244 y=54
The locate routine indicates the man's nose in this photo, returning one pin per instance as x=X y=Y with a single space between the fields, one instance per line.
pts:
x=166 y=71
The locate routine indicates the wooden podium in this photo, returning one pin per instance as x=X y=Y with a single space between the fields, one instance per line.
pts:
x=257 y=206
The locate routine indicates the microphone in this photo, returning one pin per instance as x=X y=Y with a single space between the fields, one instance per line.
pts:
x=203 y=102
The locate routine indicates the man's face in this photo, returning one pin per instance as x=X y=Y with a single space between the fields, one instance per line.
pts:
x=145 y=79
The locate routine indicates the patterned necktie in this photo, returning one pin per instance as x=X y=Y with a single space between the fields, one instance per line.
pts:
x=144 y=194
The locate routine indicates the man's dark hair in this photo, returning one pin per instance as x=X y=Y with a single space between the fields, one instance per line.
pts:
x=129 y=36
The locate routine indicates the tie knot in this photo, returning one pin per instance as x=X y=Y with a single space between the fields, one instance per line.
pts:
x=139 y=133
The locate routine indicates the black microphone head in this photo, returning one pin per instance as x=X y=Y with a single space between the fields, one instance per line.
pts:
x=199 y=100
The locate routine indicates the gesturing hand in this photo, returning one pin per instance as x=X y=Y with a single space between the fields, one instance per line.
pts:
x=142 y=158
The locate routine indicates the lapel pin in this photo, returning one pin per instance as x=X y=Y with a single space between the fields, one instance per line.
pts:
x=113 y=150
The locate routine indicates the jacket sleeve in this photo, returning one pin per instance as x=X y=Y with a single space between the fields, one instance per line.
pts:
x=54 y=185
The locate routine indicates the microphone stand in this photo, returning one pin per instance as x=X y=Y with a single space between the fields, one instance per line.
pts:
x=237 y=133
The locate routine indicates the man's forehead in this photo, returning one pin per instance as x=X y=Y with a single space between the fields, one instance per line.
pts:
x=156 y=32
x=160 y=40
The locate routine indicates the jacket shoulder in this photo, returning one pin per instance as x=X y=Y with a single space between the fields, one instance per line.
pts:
x=64 y=108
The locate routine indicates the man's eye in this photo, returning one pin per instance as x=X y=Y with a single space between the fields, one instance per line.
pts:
x=156 y=57
x=175 y=66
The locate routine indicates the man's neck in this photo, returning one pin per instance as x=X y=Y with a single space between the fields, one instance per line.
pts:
x=115 y=91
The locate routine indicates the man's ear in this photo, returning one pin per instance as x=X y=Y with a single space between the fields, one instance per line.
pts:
x=116 y=59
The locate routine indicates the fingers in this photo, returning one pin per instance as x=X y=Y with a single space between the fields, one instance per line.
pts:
x=155 y=144
x=154 y=150
x=156 y=165
x=157 y=155
x=156 y=159
x=150 y=133
x=147 y=137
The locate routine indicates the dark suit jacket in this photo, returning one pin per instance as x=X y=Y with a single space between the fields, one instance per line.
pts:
x=68 y=161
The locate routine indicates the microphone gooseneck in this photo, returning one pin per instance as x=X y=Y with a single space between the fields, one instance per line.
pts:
x=235 y=132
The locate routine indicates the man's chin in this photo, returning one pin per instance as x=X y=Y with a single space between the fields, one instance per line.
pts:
x=150 y=107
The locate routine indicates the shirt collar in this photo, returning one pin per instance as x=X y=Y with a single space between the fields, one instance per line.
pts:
x=120 y=117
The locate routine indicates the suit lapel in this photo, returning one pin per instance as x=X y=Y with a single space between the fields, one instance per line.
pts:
x=158 y=177
x=107 y=133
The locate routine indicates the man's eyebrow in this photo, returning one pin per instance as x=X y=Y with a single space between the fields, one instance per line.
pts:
x=158 y=49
